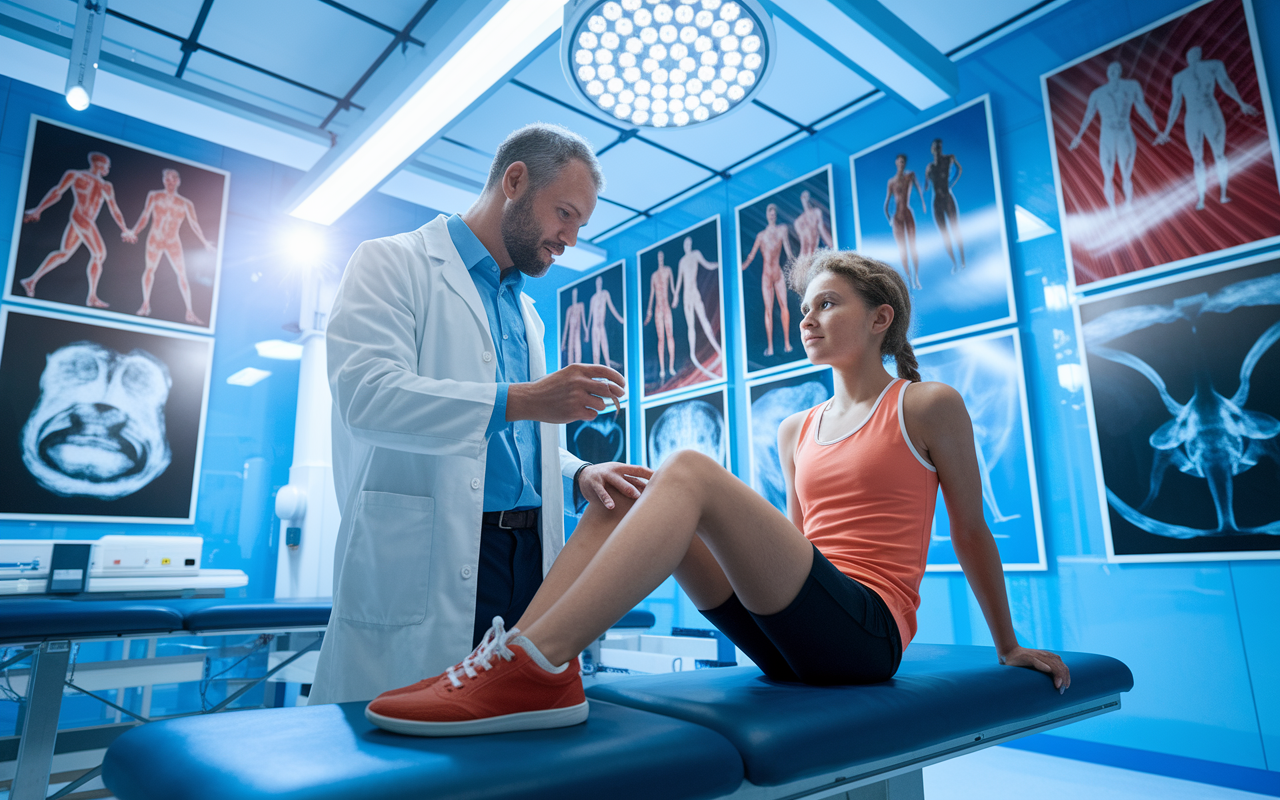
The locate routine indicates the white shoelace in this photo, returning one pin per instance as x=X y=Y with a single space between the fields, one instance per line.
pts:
x=493 y=644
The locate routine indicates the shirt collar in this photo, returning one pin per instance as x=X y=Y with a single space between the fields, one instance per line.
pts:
x=477 y=259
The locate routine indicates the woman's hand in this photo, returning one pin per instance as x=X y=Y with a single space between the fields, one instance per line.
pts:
x=1042 y=660
x=598 y=481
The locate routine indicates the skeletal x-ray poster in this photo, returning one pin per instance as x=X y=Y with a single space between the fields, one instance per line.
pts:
x=772 y=401
x=692 y=422
x=927 y=202
x=1184 y=390
x=774 y=229
x=1164 y=145
x=99 y=420
x=116 y=231
x=593 y=320
x=987 y=372
x=597 y=441
x=681 y=330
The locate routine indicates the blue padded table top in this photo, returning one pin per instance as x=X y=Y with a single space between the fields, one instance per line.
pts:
x=331 y=752
x=30 y=619
x=786 y=732
x=231 y=614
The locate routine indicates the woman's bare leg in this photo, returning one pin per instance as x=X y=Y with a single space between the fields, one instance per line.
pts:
x=764 y=559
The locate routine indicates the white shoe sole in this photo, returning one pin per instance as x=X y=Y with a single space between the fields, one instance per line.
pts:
x=522 y=721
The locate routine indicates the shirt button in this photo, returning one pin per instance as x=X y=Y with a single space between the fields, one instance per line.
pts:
x=487 y=356
x=475 y=483
x=466 y=572
x=504 y=336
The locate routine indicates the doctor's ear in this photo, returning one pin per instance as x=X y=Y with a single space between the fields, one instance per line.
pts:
x=515 y=181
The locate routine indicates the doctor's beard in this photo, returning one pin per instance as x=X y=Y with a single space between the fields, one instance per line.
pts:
x=523 y=238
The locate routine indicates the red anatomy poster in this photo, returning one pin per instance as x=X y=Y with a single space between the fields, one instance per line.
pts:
x=1164 y=145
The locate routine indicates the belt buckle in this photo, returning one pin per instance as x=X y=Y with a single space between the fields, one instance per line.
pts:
x=501 y=517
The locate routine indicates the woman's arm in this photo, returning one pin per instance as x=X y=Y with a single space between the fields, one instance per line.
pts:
x=938 y=420
x=788 y=438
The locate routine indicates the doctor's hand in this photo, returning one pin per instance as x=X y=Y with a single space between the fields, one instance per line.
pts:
x=577 y=392
x=601 y=483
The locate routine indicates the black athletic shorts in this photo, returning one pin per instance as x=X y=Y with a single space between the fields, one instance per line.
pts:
x=836 y=631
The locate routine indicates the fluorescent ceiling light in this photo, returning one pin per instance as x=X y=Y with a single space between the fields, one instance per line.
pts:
x=279 y=350
x=878 y=44
x=248 y=376
x=495 y=49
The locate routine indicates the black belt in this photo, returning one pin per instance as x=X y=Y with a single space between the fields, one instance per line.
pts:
x=508 y=520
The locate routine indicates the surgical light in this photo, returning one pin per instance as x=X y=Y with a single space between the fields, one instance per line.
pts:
x=714 y=53
x=86 y=43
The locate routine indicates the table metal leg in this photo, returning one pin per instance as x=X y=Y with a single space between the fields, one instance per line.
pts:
x=40 y=728
x=908 y=786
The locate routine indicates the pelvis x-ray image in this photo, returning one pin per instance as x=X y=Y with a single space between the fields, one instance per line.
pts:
x=987 y=372
x=98 y=428
x=771 y=403
x=696 y=423
x=1185 y=384
x=99 y=420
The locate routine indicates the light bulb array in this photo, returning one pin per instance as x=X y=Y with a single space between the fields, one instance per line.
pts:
x=667 y=63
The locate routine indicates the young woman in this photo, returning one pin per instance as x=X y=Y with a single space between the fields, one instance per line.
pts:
x=824 y=595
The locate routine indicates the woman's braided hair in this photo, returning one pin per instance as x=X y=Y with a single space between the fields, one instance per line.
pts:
x=878 y=284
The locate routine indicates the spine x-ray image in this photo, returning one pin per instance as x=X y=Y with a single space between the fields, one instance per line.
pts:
x=1184 y=381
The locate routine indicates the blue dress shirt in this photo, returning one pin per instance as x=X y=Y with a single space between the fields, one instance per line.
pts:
x=512 y=474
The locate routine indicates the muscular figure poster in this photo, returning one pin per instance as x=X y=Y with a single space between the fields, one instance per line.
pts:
x=695 y=422
x=99 y=420
x=1164 y=146
x=117 y=230
x=593 y=328
x=1184 y=396
x=773 y=230
x=773 y=399
x=681 y=338
x=987 y=372
x=927 y=202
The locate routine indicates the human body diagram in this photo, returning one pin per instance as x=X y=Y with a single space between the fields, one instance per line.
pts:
x=770 y=243
x=601 y=302
x=1196 y=86
x=687 y=277
x=574 y=330
x=90 y=190
x=662 y=297
x=811 y=226
x=1113 y=103
x=898 y=194
x=167 y=210
x=945 y=213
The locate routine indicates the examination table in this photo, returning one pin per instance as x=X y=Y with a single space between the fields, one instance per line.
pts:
x=699 y=734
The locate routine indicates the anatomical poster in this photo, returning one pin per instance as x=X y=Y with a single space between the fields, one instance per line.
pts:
x=116 y=231
x=1184 y=399
x=775 y=229
x=927 y=202
x=99 y=420
x=693 y=422
x=1164 y=146
x=681 y=328
x=593 y=313
x=987 y=372
x=771 y=401
x=597 y=440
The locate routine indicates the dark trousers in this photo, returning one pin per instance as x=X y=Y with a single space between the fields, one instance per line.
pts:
x=509 y=575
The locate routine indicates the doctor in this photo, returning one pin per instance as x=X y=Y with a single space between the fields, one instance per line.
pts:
x=445 y=447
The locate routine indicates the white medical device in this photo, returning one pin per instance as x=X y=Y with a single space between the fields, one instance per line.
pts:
x=111 y=564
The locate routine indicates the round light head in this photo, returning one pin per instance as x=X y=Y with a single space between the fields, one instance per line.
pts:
x=78 y=98
x=711 y=55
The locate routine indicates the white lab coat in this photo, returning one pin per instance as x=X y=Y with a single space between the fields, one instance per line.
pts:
x=412 y=372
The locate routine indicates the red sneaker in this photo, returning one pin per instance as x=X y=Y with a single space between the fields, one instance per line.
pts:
x=425 y=682
x=500 y=687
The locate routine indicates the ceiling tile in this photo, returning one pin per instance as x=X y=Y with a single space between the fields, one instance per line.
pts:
x=642 y=176
x=457 y=160
x=946 y=26
x=175 y=16
x=546 y=74
x=603 y=218
x=393 y=13
x=806 y=82
x=511 y=107
x=141 y=46
x=254 y=87
x=722 y=142
x=286 y=37
x=387 y=73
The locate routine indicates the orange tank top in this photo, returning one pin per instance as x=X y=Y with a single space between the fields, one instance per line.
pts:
x=868 y=500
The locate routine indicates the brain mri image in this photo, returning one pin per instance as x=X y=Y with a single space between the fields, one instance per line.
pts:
x=695 y=424
x=771 y=403
x=99 y=420
x=98 y=428
x=1185 y=399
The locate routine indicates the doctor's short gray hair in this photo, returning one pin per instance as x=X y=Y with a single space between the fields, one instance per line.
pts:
x=545 y=149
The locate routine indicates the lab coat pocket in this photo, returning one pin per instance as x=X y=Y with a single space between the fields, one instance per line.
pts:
x=385 y=572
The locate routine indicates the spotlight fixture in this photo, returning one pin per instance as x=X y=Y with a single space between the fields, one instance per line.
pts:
x=86 y=43
x=666 y=63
